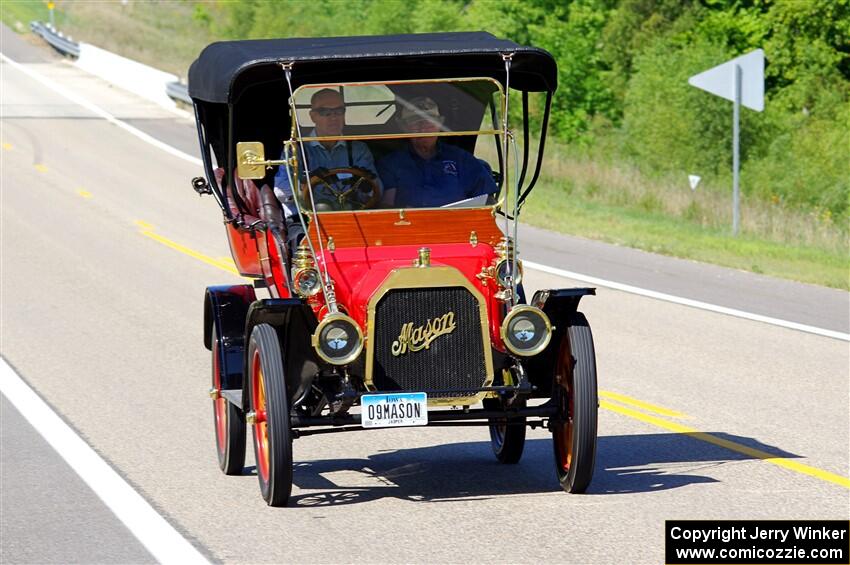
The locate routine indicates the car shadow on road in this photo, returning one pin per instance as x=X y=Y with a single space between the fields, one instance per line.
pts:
x=464 y=471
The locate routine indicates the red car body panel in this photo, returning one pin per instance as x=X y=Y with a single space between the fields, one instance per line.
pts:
x=358 y=273
x=368 y=246
x=243 y=248
x=374 y=228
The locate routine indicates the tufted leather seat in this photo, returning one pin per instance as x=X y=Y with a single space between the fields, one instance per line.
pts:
x=260 y=203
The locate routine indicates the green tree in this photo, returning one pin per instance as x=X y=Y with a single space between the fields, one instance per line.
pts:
x=573 y=39
x=807 y=167
x=633 y=26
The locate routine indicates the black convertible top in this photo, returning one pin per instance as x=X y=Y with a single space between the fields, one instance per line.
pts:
x=224 y=69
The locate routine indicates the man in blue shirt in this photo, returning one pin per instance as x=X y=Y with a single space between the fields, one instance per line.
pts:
x=429 y=173
x=327 y=110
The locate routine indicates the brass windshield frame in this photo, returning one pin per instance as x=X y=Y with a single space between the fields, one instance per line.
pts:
x=295 y=138
x=319 y=86
x=398 y=135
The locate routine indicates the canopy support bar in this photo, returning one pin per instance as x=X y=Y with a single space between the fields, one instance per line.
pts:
x=524 y=138
x=543 y=128
x=325 y=278
x=207 y=158
x=512 y=247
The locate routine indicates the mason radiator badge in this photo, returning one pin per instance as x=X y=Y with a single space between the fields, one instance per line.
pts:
x=420 y=337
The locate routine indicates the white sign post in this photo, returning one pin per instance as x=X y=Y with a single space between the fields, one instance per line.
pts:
x=740 y=80
x=694 y=181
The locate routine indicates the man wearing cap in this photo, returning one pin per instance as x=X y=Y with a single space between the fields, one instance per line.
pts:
x=429 y=173
x=327 y=110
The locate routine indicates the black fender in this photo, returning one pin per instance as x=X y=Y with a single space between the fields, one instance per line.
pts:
x=294 y=322
x=226 y=307
x=559 y=305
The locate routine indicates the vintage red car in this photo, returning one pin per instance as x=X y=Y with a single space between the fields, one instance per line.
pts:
x=372 y=187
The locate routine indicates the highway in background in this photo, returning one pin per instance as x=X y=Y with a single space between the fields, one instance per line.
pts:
x=106 y=252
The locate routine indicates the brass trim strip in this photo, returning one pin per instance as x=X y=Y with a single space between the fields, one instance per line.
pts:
x=491 y=80
x=320 y=85
x=403 y=221
x=380 y=136
x=434 y=277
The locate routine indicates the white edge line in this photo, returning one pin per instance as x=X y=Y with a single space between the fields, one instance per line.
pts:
x=686 y=301
x=61 y=90
x=146 y=524
x=536 y=266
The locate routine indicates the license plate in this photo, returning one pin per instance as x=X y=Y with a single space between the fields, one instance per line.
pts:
x=394 y=410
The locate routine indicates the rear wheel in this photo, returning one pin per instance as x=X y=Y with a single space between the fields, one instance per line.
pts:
x=507 y=441
x=229 y=420
x=574 y=390
x=271 y=427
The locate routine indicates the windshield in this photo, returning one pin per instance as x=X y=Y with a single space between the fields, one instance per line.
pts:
x=424 y=144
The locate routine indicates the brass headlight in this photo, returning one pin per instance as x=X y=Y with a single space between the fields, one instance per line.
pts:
x=504 y=270
x=338 y=339
x=526 y=331
x=307 y=282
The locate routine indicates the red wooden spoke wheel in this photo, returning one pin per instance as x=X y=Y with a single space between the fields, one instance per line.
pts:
x=229 y=420
x=271 y=425
x=261 y=429
x=574 y=427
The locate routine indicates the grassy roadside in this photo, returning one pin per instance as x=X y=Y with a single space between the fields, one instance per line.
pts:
x=583 y=194
x=17 y=14
x=676 y=237
x=123 y=28
x=579 y=194
x=162 y=35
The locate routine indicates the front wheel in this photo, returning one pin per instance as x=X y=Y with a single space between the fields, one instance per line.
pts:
x=507 y=441
x=229 y=420
x=574 y=390
x=271 y=426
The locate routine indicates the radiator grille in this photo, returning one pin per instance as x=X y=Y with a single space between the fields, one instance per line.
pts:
x=454 y=361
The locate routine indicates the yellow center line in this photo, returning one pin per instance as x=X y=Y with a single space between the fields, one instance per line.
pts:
x=622 y=398
x=7 y=146
x=144 y=225
x=84 y=193
x=40 y=167
x=731 y=445
x=147 y=232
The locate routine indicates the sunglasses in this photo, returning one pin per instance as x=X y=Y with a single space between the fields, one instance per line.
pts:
x=328 y=112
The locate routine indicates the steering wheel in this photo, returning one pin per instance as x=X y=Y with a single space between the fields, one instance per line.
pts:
x=344 y=188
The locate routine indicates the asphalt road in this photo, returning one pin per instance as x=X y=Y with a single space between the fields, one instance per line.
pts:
x=104 y=322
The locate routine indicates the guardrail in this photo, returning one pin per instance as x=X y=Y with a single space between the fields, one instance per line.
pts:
x=67 y=46
x=56 y=39
x=178 y=91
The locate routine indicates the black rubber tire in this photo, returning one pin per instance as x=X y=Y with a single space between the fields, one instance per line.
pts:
x=507 y=442
x=264 y=349
x=229 y=422
x=574 y=430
